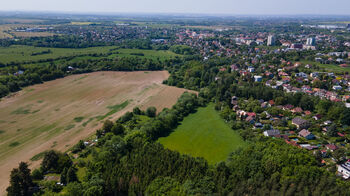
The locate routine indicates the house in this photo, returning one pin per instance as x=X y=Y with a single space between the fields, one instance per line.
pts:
x=317 y=117
x=314 y=74
x=341 y=135
x=344 y=170
x=337 y=87
x=301 y=74
x=297 y=110
x=307 y=112
x=257 y=78
x=250 y=119
x=300 y=123
x=306 y=134
x=234 y=100
x=331 y=147
x=287 y=107
x=20 y=72
x=272 y=133
x=328 y=122
x=263 y=105
x=325 y=130
x=251 y=69
x=258 y=125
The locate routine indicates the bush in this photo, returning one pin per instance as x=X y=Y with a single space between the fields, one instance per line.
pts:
x=107 y=126
x=151 y=112
x=37 y=174
x=118 y=129
x=137 y=111
x=78 y=147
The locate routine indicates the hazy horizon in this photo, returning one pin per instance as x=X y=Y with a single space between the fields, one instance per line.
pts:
x=225 y=7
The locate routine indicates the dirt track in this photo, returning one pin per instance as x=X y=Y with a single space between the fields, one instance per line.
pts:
x=41 y=117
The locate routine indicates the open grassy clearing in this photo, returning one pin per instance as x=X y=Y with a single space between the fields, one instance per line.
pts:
x=204 y=134
x=19 y=53
x=329 y=67
x=59 y=113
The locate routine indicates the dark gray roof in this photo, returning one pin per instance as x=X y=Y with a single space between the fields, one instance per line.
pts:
x=299 y=121
x=273 y=132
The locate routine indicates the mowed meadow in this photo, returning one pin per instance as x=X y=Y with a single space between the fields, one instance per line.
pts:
x=204 y=134
x=59 y=113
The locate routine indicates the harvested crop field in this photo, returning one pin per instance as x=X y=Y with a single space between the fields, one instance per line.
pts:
x=59 y=113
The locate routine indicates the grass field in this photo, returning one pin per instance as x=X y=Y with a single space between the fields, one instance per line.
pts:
x=59 y=113
x=204 y=134
x=18 y=53
x=329 y=67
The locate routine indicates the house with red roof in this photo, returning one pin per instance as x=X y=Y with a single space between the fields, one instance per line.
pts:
x=331 y=147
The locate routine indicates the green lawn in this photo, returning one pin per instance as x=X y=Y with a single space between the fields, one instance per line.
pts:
x=19 y=53
x=329 y=67
x=204 y=134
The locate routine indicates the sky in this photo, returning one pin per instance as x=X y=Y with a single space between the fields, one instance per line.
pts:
x=230 y=7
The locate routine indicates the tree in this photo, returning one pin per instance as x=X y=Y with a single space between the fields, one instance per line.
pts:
x=64 y=176
x=165 y=186
x=332 y=130
x=137 y=111
x=94 y=191
x=306 y=103
x=323 y=106
x=99 y=133
x=345 y=117
x=71 y=175
x=118 y=129
x=63 y=161
x=151 y=112
x=20 y=181
x=78 y=147
x=74 y=189
x=37 y=174
x=339 y=154
x=3 y=90
x=107 y=126
x=50 y=161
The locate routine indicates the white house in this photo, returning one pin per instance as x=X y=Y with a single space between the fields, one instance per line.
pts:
x=301 y=74
x=251 y=69
x=344 y=170
x=258 y=78
x=337 y=87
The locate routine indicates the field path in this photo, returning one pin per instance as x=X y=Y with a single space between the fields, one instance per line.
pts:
x=59 y=113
